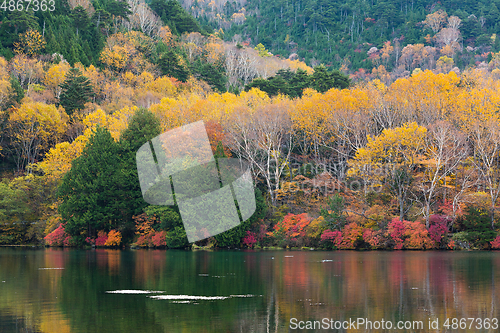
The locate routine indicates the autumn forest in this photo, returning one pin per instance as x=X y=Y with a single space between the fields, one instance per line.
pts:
x=403 y=153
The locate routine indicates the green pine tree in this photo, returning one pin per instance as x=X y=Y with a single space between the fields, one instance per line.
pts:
x=259 y=83
x=321 y=80
x=80 y=19
x=92 y=197
x=17 y=93
x=171 y=65
x=278 y=85
x=22 y=21
x=72 y=54
x=212 y=74
x=52 y=45
x=298 y=83
x=341 y=81
x=76 y=91
x=176 y=17
x=82 y=54
x=118 y=8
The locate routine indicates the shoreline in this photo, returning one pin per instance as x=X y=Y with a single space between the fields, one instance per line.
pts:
x=267 y=248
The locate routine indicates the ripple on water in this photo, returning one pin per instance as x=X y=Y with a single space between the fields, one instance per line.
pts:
x=198 y=298
x=133 y=292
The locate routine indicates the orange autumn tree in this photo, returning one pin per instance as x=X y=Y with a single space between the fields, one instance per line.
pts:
x=215 y=134
x=144 y=229
x=114 y=238
x=291 y=229
x=147 y=235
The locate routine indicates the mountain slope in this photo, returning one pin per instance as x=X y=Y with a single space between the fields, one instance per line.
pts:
x=334 y=31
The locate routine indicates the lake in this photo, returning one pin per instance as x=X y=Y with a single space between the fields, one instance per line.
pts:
x=62 y=290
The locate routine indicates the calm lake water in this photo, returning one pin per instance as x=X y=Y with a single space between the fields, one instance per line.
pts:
x=55 y=290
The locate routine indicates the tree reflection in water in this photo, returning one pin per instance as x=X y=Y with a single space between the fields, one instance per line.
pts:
x=65 y=290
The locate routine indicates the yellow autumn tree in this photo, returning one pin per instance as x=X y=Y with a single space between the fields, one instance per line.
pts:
x=30 y=43
x=96 y=77
x=162 y=86
x=57 y=161
x=54 y=77
x=297 y=64
x=127 y=51
x=425 y=97
x=34 y=128
x=476 y=102
x=118 y=121
x=308 y=117
x=444 y=64
x=391 y=158
x=5 y=86
x=115 y=57
x=261 y=49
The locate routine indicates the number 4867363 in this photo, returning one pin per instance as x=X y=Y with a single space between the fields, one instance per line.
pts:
x=471 y=323
x=35 y=5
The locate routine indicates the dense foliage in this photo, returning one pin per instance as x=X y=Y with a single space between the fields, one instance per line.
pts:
x=403 y=154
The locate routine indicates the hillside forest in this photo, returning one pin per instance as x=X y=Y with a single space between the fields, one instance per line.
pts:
x=357 y=35
x=403 y=153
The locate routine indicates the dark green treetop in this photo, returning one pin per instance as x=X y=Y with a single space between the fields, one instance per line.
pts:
x=76 y=91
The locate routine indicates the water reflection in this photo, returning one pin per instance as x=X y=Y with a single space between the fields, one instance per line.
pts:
x=57 y=290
